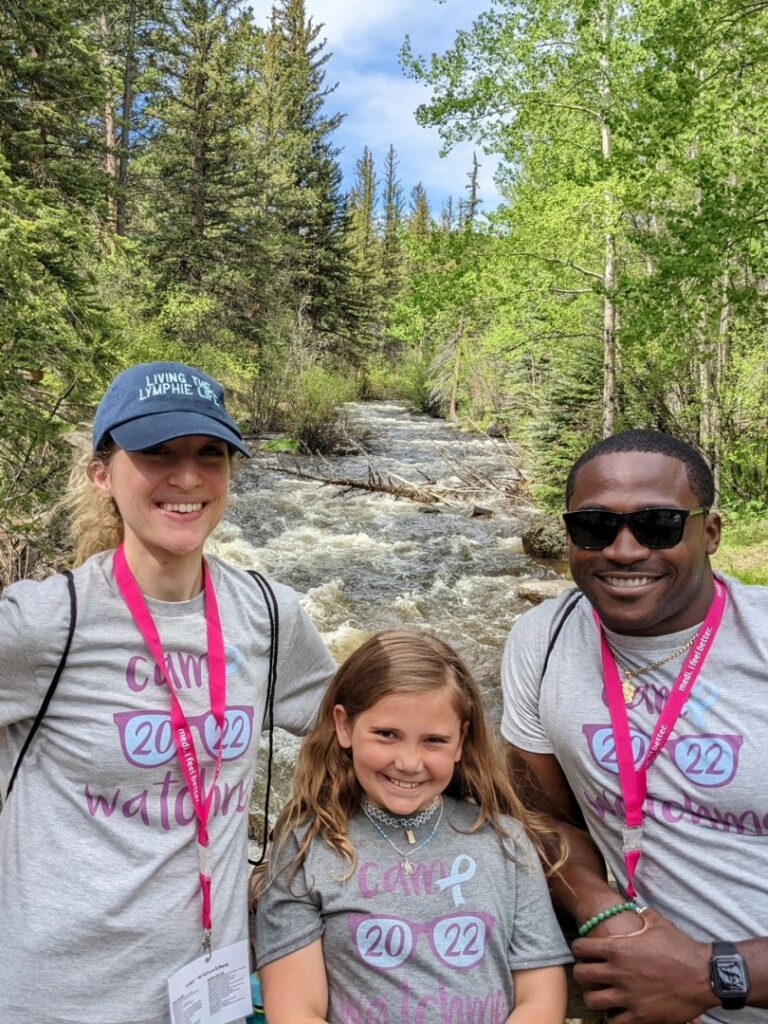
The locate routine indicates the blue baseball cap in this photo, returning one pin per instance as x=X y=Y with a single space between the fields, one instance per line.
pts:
x=155 y=402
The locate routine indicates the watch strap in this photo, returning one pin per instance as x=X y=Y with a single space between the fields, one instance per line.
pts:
x=724 y=949
x=730 y=996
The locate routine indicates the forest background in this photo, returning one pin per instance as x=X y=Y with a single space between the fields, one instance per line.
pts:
x=170 y=189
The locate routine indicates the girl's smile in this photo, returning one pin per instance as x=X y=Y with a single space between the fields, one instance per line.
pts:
x=404 y=748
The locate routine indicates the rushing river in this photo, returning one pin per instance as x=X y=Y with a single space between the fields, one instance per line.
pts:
x=367 y=561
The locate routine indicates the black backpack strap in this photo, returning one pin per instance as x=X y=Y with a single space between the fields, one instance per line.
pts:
x=274 y=625
x=53 y=683
x=571 y=604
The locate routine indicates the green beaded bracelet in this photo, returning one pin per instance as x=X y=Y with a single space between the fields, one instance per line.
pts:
x=610 y=912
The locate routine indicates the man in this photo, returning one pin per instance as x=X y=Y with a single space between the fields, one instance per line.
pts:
x=639 y=710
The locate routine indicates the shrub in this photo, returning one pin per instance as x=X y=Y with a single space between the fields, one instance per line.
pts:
x=311 y=411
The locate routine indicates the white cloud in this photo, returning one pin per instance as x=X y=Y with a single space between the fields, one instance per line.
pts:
x=365 y=39
x=364 y=27
x=383 y=115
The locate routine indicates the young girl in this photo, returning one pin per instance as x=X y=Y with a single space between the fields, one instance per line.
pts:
x=405 y=886
x=123 y=841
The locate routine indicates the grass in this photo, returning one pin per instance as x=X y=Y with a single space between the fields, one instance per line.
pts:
x=743 y=551
x=279 y=444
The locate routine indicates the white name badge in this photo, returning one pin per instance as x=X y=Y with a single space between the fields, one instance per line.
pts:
x=212 y=991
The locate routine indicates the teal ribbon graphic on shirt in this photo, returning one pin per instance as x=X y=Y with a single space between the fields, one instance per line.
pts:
x=462 y=869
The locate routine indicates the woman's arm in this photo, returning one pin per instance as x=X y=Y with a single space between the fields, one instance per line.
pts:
x=541 y=996
x=294 y=987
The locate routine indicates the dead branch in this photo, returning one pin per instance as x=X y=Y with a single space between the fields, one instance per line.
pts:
x=483 y=484
x=462 y=496
x=378 y=482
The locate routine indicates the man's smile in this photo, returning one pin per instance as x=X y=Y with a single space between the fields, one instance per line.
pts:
x=627 y=582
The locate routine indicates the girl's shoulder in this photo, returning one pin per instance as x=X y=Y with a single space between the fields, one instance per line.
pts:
x=462 y=814
x=509 y=832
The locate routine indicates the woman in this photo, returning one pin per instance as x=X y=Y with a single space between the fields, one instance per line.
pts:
x=123 y=842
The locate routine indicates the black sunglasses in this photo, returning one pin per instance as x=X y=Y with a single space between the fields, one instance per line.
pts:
x=595 y=528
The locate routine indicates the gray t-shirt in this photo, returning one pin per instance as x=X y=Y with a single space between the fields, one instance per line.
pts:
x=705 y=842
x=99 y=892
x=434 y=946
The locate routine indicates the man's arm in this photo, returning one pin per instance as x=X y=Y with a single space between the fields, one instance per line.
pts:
x=581 y=886
x=647 y=966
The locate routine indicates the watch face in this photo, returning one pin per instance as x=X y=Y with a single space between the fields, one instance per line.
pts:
x=729 y=977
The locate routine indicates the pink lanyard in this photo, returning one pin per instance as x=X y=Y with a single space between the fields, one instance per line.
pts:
x=182 y=734
x=634 y=781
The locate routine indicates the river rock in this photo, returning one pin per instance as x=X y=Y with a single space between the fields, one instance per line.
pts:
x=544 y=537
x=537 y=591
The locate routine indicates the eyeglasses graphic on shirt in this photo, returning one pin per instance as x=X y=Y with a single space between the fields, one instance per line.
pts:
x=458 y=940
x=147 y=738
x=707 y=759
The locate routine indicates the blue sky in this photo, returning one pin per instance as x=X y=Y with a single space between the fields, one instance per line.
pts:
x=364 y=37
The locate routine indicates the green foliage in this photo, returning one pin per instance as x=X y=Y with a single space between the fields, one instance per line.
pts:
x=568 y=421
x=404 y=376
x=294 y=149
x=633 y=223
x=311 y=411
x=53 y=330
x=743 y=550
x=365 y=247
x=280 y=444
x=170 y=189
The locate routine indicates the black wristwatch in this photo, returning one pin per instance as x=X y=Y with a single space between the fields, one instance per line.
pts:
x=729 y=975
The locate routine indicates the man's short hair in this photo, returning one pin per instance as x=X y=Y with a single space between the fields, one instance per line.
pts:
x=638 y=440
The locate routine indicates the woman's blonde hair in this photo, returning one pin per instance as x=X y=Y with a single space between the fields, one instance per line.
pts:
x=326 y=792
x=94 y=522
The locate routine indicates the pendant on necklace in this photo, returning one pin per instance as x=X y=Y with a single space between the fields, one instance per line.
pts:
x=410 y=836
x=627 y=688
x=407 y=866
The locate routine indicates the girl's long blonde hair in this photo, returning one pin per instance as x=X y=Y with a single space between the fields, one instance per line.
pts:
x=326 y=792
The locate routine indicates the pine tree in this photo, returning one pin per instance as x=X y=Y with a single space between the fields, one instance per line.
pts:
x=309 y=209
x=52 y=209
x=473 y=201
x=194 y=163
x=199 y=222
x=420 y=220
x=364 y=243
x=53 y=93
x=448 y=216
x=391 y=246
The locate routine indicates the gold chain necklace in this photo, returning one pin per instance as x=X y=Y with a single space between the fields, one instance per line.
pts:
x=628 y=688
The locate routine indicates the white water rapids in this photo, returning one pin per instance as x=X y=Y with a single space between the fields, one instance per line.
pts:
x=367 y=561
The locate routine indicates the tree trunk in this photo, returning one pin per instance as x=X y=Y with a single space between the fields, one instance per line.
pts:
x=721 y=362
x=609 y=263
x=452 y=415
x=127 y=119
x=110 y=148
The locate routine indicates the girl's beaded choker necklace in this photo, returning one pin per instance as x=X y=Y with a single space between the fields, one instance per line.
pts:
x=374 y=813
x=405 y=862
